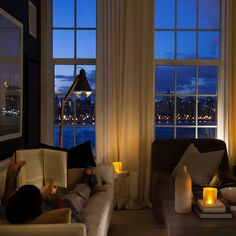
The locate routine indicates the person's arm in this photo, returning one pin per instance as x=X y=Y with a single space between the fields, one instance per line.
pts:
x=50 y=191
x=12 y=172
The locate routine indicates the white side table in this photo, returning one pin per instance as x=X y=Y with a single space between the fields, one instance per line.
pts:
x=119 y=177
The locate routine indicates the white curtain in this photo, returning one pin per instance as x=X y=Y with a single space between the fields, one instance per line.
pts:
x=125 y=89
x=230 y=78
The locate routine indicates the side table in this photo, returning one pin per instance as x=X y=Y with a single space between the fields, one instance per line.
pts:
x=191 y=224
x=120 y=177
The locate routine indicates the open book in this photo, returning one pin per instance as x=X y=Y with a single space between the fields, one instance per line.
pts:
x=41 y=165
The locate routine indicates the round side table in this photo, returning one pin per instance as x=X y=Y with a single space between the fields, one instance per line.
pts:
x=119 y=176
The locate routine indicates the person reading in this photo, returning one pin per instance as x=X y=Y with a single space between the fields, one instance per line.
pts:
x=29 y=202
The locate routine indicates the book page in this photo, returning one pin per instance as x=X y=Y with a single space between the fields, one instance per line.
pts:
x=55 y=167
x=32 y=171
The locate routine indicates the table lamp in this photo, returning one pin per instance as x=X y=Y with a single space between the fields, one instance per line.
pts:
x=79 y=86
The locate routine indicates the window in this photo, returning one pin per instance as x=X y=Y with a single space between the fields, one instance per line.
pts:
x=74 y=47
x=187 y=71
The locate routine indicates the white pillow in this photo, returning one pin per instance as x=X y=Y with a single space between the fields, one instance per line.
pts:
x=201 y=166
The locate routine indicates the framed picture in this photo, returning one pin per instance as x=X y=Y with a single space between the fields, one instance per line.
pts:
x=11 y=76
x=32 y=19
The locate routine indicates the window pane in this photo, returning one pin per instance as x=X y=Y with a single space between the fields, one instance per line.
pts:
x=164 y=77
x=68 y=136
x=209 y=14
x=186 y=79
x=186 y=14
x=186 y=110
x=207 y=133
x=208 y=45
x=63 y=13
x=86 y=13
x=86 y=43
x=165 y=14
x=207 y=111
x=63 y=78
x=85 y=133
x=185 y=133
x=164 y=110
x=164 y=45
x=164 y=133
x=186 y=45
x=63 y=43
x=207 y=79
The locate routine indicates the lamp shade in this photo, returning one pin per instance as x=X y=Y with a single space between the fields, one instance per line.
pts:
x=82 y=85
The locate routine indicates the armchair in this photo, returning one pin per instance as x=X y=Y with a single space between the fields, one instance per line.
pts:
x=165 y=156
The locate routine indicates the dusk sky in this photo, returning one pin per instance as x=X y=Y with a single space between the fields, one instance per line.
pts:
x=208 y=38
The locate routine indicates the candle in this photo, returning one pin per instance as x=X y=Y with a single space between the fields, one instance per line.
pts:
x=117 y=166
x=209 y=195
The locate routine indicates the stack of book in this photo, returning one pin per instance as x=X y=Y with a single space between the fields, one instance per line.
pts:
x=218 y=210
x=230 y=205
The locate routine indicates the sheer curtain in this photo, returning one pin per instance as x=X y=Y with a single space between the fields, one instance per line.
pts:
x=125 y=89
x=230 y=78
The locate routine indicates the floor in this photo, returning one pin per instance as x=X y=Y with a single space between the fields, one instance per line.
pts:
x=136 y=222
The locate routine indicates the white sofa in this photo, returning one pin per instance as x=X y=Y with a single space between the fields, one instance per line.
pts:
x=96 y=214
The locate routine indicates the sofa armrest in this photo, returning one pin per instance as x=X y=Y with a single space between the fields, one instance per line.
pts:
x=72 y=229
x=106 y=172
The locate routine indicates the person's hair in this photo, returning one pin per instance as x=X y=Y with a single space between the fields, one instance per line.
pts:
x=24 y=205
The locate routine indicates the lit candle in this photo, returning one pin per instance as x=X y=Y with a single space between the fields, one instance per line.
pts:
x=117 y=166
x=209 y=195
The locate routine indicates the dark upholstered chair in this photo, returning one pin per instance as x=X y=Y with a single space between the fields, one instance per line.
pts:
x=165 y=156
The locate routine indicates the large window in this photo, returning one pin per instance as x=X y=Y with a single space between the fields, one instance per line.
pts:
x=74 y=47
x=187 y=71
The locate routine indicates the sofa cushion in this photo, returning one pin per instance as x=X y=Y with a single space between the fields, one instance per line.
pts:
x=79 y=156
x=97 y=213
x=201 y=166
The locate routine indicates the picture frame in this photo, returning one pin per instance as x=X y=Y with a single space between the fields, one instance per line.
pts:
x=32 y=20
x=11 y=76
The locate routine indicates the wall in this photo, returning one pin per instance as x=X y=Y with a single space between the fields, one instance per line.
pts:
x=31 y=79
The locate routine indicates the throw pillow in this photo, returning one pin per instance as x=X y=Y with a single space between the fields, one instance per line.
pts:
x=81 y=156
x=201 y=166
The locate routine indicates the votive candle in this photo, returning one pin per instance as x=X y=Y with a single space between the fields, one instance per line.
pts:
x=209 y=195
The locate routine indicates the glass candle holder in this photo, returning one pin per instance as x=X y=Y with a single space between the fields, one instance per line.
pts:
x=209 y=195
x=117 y=166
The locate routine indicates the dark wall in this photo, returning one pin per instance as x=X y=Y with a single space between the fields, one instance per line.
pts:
x=31 y=79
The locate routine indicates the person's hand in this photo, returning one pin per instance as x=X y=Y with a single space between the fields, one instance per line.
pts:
x=49 y=190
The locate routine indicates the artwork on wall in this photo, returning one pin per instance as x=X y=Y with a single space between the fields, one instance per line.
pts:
x=32 y=19
x=11 y=76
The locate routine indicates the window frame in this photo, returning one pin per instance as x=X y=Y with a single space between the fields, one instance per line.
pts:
x=197 y=62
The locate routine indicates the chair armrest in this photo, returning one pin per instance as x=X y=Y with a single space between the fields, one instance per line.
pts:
x=106 y=172
x=72 y=229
